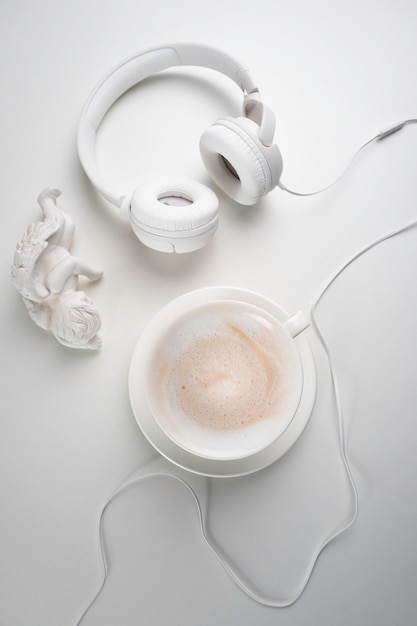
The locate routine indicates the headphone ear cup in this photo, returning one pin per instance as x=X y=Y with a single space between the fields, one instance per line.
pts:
x=174 y=215
x=237 y=162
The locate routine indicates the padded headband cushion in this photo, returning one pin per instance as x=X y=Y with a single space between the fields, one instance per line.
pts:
x=174 y=205
x=226 y=144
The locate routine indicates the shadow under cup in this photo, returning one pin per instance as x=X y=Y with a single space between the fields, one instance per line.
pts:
x=224 y=379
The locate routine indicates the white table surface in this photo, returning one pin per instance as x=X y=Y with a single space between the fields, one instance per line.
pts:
x=335 y=73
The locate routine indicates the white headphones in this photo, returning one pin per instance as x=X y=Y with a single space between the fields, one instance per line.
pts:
x=180 y=215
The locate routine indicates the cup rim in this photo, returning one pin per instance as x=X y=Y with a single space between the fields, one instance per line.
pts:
x=166 y=318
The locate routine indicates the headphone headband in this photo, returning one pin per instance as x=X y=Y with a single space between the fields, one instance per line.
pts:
x=134 y=70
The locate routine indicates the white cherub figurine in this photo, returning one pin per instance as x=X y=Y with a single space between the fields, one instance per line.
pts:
x=46 y=275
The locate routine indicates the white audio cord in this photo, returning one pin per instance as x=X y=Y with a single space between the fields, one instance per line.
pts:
x=244 y=586
x=132 y=481
x=378 y=137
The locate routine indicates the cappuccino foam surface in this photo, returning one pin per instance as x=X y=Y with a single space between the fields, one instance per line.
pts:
x=222 y=374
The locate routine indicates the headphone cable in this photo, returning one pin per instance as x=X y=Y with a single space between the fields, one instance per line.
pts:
x=245 y=586
x=378 y=137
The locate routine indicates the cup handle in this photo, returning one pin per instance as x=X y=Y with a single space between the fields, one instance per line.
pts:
x=296 y=324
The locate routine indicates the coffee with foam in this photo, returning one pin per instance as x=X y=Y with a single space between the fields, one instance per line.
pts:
x=224 y=379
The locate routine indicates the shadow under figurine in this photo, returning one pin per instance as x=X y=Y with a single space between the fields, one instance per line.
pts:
x=46 y=275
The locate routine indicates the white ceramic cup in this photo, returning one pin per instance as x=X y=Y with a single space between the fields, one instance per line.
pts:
x=223 y=378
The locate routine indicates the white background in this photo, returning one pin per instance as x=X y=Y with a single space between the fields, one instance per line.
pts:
x=335 y=73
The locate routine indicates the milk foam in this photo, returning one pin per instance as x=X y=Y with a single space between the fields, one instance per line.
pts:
x=224 y=376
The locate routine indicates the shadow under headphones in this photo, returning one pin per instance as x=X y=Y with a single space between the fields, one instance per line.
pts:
x=180 y=215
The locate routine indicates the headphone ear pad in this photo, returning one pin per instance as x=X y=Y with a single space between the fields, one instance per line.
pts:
x=235 y=160
x=174 y=215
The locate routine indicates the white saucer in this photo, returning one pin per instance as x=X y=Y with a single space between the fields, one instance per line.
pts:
x=230 y=467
